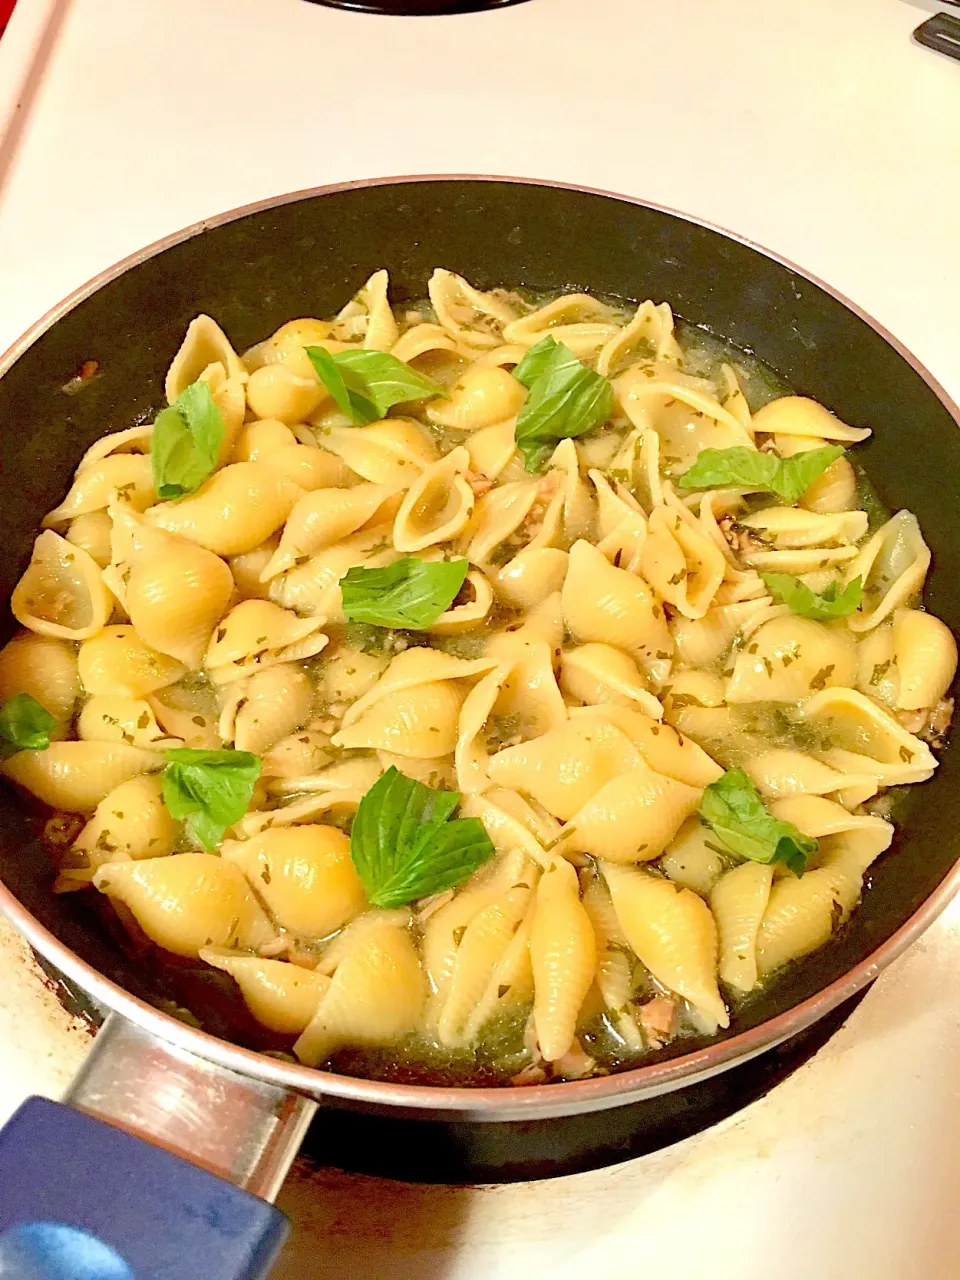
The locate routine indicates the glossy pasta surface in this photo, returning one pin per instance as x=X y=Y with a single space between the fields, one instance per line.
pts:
x=621 y=641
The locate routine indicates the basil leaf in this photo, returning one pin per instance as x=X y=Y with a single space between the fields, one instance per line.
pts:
x=733 y=808
x=365 y=384
x=25 y=724
x=405 y=846
x=565 y=399
x=186 y=442
x=833 y=602
x=761 y=472
x=211 y=790
x=409 y=593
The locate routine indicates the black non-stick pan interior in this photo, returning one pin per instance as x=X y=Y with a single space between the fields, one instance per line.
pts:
x=303 y=258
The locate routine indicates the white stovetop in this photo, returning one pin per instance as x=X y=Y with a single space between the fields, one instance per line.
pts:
x=818 y=129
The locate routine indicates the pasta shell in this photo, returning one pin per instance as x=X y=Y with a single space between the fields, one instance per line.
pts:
x=802 y=561
x=422 y=339
x=856 y=726
x=297 y=755
x=685 y=418
x=563 y=955
x=471 y=754
x=661 y=746
x=926 y=658
x=281 y=996
x=510 y=983
x=689 y=860
x=421 y=721
x=484 y=395
x=322 y=518
x=247 y=568
x=132 y=822
x=833 y=490
x=682 y=565
x=475 y=319
x=175 y=595
x=632 y=818
x=481 y=947
x=187 y=902
x=476 y=596
x=92 y=490
x=801 y=915
x=673 y=932
x=62 y=592
x=314 y=588
x=286 y=346
x=92 y=533
x=570 y=309
x=43 y=667
x=649 y=333
x=258 y=439
x=117 y=662
x=375 y=998
x=306 y=466
x=204 y=344
x=75 y=776
x=348 y=673
x=437 y=506
x=564 y=769
x=304 y=875
x=279 y=391
x=599 y=673
x=531 y=576
x=599 y=907
x=800 y=416
x=529 y=694
x=393 y=452
x=275 y=702
x=781 y=772
x=413 y=667
x=367 y=317
x=611 y=606
x=578 y=510
x=508 y=834
x=497 y=515
x=892 y=567
x=794 y=527
x=256 y=634
x=702 y=641
x=790 y=657
x=492 y=448
x=132 y=440
x=114 y=718
x=739 y=900
x=233 y=511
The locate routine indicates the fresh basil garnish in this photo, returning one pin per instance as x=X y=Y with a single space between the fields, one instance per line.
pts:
x=186 y=442
x=565 y=399
x=25 y=724
x=733 y=808
x=405 y=843
x=365 y=384
x=409 y=593
x=788 y=478
x=833 y=602
x=211 y=790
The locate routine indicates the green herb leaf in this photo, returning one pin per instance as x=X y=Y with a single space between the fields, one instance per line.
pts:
x=833 y=602
x=211 y=790
x=25 y=724
x=733 y=808
x=409 y=593
x=565 y=399
x=405 y=846
x=760 y=472
x=186 y=442
x=365 y=384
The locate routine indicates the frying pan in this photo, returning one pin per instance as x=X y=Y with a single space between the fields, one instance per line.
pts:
x=175 y=1062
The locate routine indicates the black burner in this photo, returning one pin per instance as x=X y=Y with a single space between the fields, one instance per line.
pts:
x=520 y=1151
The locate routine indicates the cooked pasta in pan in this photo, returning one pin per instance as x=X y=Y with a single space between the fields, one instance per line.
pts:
x=488 y=686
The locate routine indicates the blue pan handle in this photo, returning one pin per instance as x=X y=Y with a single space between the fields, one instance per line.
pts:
x=89 y=1192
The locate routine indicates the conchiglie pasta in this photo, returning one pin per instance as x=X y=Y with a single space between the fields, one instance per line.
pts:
x=322 y=518
x=256 y=634
x=128 y=473
x=131 y=822
x=62 y=592
x=926 y=658
x=187 y=902
x=393 y=452
x=486 y=394
x=892 y=567
x=673 y=933
x=437 y=506
x=304 y=875
x=632 y=818
x=599 y=673
x=739 y=900
x=692 y=859
x=43 y=667
x=113 y=718
x=789 y=658
x=75 y=776
x=204 y=344
x=682 y=565
x=563 y=954
x=607 y=605
x=421 y=721
x=281 y=996
x=233 y=511
x=375 y=998
x=92 y=534
x=117 y=662
x=274 y=703
x=367 y=316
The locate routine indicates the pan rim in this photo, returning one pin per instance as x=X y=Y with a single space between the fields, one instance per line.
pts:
x=483 y=1103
